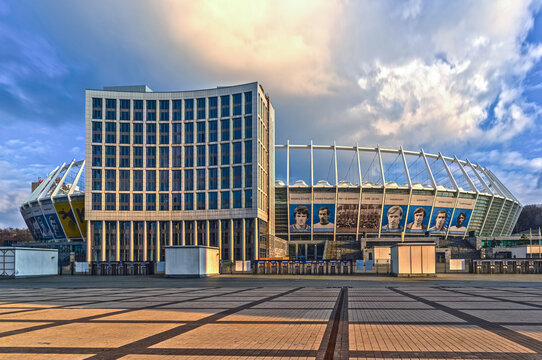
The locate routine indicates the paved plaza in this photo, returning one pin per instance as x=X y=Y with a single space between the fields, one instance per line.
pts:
x=231 y=317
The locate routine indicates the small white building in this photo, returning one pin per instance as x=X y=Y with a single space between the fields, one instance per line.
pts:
x=22 y=262
x=192 y=261
x=413 y=259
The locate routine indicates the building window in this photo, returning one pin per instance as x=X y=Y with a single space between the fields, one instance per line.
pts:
x=248 y=199
x=164 y=134
x=176 y=156
x=248 y=127
x=138 y=156
x=237 y=199
x=225 y=178
x=248 y=102
x=189 y=179
x=138 y=180
x=138 y=202
x=151 y=180
x=124 y=156
x=225 y=106
x=124 y=180
x=213 y=178
x=237 y=179
x=96 y=155
x=124 y=202
x=124 y=133
x=151 y=133
x=111 y=109
x=201 y=108
x=110 y=132
x=248 y=151
x=164 y=202
x=225 y=200
x=237 y=153
x=110 y=180
x=110 y=156
x=176 y=180
x=151 y=156
x=164 y=180
x=176 y=201
x=138 y=110
x=151 y=110
x=96 y=108
x=177 y=108
x=97 y=131
x=213 y=131
x=201 y=155
x=225 y=130
x=96 y=201
x=151 y=202
x=164 y=110
x=200 y=179
x=138 y=133
x=188 y=133
x=213 y=155
x=213 y=200
x=225 y=154
x=176 y=133
x=237 y=109
x=189 y=201
x=237 y=129
x=110 y=201
x=188 y=156
x=201 y=201
x=96 y=179
x=189 y=109
x=164 y=156
x=200 y=136
x=213 y=107
x=248 y=175
x=125 y=109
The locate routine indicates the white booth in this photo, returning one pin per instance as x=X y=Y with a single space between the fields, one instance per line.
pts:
x=192 y=261
x=413 y=259
x=22 y=262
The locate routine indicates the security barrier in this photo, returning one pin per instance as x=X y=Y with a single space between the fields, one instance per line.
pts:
x=320 y=267
x=508 y=266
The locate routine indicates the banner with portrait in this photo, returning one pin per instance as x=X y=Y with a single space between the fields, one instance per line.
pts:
x=323 y=219
x=369 y=212
x=67 y=219
x=418 y=214
x=31 y=224
x=346 y=219
x=300 y=212
x=51 y=217
x=442 y=213
x=79 y=209
x=461 y=216
x=395 y=207
x=41 y=223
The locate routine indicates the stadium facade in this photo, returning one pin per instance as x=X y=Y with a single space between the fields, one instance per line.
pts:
x=198 y=168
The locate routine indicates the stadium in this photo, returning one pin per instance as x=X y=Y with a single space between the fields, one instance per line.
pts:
x=202 y=168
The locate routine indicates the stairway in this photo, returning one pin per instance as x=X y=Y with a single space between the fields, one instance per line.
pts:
x=342 y=250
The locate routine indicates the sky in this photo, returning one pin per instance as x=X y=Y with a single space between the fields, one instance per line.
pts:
x=457 y=77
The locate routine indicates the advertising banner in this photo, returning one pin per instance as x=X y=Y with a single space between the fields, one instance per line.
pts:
x=31 y=224
x=300 y=215
x=369 y=213
x=347 y=212
x=67 y=219
x=79 y=208
x=395 y=206
x=46 y=233
x=462 y=215
x=324 y=212
x=442 y=212
x=418 y=215
x=52 y=220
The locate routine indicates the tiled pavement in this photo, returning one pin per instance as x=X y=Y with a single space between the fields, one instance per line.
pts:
x=377 y=322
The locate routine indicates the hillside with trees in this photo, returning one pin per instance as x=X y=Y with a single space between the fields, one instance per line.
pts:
x=10 y=235
x=530 y=218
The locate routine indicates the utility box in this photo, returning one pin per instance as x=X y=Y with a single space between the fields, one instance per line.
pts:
x=22 y=262
x=191 y=261
x=413 y=259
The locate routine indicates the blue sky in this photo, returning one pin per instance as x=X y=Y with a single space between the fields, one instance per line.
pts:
x=453 y=77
